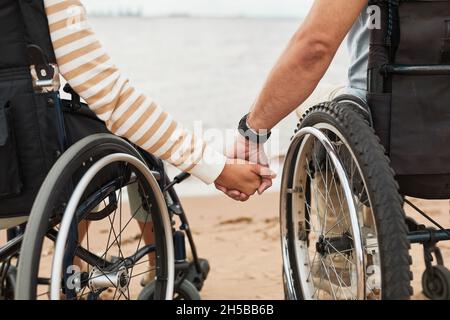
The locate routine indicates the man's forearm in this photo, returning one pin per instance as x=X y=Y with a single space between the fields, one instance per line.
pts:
x=292 y=80
x=305 y=61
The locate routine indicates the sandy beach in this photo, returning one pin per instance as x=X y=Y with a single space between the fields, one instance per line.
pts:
x=242 y=243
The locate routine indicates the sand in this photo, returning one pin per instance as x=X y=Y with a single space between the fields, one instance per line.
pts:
x=241 y=242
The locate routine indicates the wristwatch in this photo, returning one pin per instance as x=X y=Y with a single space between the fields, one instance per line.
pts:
x=257 y=136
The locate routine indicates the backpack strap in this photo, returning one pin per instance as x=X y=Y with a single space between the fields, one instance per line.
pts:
x=40 y=52
x=36 y=26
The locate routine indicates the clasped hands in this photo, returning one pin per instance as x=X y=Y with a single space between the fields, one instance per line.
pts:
x=247 y=170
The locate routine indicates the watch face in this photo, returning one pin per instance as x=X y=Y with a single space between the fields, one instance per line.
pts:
x=250 y=134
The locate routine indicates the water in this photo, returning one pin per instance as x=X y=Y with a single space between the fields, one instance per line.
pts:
x=202 y=8
x=204 y=69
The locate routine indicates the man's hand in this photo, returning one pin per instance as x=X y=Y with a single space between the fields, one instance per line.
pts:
x=240 y=175
x=248 y=151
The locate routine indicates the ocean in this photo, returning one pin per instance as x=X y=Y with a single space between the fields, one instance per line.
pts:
x=204 y=69
x=201 y=8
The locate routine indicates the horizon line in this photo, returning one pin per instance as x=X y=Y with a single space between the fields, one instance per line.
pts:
x=192 y=16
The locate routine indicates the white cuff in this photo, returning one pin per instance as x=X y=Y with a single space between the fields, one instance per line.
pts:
x=210 y=166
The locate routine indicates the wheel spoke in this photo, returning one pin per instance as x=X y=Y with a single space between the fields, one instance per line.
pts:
x=329 y=279
x=140 y=238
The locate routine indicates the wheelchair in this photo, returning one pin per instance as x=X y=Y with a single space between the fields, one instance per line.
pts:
x=351 y=164
x=82 y=240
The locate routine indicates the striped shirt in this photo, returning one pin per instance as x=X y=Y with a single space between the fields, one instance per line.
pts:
x=126 y=111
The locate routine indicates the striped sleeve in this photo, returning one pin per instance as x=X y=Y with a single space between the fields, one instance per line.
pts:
x=126 y=111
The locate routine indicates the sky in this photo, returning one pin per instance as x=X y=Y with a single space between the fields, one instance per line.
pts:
x=224 y=8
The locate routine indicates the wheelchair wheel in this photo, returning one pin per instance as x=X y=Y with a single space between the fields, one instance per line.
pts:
x=343 y=226
x=185 y=291
x=436 y=283
x=80 y=241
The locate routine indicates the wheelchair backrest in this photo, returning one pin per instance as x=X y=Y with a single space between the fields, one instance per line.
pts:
x=409 y=92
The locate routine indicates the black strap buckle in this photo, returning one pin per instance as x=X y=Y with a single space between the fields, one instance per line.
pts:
x=75 y=97
x=45 y=75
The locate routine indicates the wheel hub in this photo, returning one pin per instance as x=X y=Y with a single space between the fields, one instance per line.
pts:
x=332 y=245
x=321 y=246
x=100 y=280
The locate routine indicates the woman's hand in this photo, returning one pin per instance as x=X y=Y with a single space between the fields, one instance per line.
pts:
x=253 y=152
x=243 y=176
